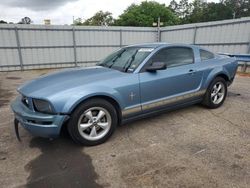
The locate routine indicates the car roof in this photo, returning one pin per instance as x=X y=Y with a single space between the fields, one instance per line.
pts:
x=160 y=44
x=164 y=44
x=149 y=45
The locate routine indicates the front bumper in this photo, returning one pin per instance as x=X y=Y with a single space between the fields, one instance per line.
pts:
x=38 y=124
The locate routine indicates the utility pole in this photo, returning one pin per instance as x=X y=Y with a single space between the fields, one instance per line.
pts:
x=158 y=24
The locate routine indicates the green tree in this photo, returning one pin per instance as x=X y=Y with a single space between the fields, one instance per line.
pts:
x=145 y=14
x=240 y=8
x=196 y=15
x=3 y=22
x=100 y=18
x=25 y=20
x=184 y=9
x=200 y=11
x=216 y=11
x=204 y=12
x=173 y=6
x=77 y=21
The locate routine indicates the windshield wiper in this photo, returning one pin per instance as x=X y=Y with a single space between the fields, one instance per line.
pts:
x=115 y=58
x=129 y=62
x=102 y=64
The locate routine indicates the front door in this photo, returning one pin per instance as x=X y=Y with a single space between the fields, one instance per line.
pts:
x=175 y=84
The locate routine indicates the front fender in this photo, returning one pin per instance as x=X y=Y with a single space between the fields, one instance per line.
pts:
x=86 y=93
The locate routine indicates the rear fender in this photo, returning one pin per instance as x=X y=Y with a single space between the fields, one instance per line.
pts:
x=215 y=73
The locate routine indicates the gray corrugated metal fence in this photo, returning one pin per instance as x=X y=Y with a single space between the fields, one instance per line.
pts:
x=228 y=36
x=39 y=46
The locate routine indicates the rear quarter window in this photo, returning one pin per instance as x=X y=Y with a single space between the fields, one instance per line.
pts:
x=205 y=55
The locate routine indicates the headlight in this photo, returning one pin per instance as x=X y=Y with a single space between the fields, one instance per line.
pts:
x=43 y=106
x=25 y=101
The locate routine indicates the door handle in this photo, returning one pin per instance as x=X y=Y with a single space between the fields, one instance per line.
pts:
x=191 y=71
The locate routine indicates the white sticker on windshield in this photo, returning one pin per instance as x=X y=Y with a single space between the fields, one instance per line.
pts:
x=146 y=50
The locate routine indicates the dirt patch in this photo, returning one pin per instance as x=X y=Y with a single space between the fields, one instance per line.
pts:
x=191 y=147
x=3 y=102
x=243 y=74
x=13 y=78
x=3 y=155
x=232 y=94
x=5 y=96
x=61 y=164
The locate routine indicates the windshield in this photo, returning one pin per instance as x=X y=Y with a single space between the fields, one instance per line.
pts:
x=126 y=59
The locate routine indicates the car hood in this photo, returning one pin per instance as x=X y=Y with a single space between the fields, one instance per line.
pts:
x=51 y=84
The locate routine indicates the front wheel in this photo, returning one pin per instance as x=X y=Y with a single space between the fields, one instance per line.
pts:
x=216 y=93
x=93 y=122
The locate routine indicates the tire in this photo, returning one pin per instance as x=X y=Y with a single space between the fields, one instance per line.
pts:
x=210 y=96
x=93 y=122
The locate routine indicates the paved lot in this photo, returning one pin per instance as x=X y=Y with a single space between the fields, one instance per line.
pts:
x=191 y=147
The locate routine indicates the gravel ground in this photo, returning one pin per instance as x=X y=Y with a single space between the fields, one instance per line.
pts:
x=190 y=147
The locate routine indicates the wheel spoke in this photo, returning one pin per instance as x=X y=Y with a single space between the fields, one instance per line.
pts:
x=219 y=94
x=89 y=115
x=93 y=132
x=215 y=98
x=100 y=115
x=103 y=125
x=219 y=88
x=215 y=87
x=213 y=94
x=84 y=126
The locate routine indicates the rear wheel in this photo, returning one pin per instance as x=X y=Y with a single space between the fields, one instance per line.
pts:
x=93 y=122
x=216 y=93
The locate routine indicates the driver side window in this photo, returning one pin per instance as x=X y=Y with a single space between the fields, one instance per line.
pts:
x=174 y=56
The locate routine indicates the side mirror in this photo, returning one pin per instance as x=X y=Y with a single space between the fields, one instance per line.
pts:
x=156 y=66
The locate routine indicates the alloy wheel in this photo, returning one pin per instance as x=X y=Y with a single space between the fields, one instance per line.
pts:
x=94 y=123
x=218 y=93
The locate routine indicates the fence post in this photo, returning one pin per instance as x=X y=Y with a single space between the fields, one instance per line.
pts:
x=244 y=67
x=248 y=50
x=120 y=37
x=19 y=48
x=194 y=39
x=74 y=45
x=158 y=34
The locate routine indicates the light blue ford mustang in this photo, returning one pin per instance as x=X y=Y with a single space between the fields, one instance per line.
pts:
x=131 y=83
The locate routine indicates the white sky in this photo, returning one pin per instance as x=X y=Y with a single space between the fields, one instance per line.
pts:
x=62 y=11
